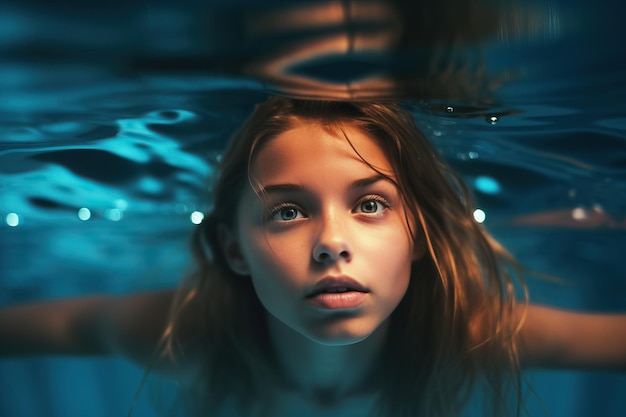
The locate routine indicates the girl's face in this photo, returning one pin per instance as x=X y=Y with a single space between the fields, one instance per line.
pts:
x=327 y=244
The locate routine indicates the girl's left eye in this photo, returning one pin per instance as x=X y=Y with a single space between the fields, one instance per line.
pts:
x=372 y=205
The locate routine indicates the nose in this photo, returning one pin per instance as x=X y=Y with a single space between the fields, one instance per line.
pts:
x=332 y=242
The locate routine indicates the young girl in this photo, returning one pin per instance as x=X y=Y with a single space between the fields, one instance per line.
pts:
x=340 y=273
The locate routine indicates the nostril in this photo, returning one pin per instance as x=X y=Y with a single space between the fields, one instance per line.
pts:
x=323 y=256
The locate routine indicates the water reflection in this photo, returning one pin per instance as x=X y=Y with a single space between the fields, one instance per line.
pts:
x=338 y=49
x=136 y=101
x=378 y=49
x=577 y=218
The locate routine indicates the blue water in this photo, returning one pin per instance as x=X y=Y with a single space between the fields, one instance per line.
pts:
x=113 y=114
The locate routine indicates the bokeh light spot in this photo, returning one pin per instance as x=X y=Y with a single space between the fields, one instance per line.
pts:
x=115 y=215
x=84 y=214
x=196 y=217
x=12 y=219
x=479 y=215
x=487 y=185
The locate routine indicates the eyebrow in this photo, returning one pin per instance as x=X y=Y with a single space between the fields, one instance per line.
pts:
x=292 y=188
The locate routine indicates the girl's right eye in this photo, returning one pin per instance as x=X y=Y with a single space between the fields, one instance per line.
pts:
x=286 y=213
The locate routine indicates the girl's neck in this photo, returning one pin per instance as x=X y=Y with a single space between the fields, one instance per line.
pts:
x=326 y=373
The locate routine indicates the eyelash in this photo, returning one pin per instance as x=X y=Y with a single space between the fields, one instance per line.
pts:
x=273 y=211
x=374 y=197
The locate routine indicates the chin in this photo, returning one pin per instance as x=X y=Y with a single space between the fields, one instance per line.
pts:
x=340 y=334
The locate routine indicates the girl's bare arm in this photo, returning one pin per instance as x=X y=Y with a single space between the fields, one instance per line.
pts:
x=561 y=339
x=101 y=325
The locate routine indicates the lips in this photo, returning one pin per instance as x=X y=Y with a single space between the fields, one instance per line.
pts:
x=336 y=285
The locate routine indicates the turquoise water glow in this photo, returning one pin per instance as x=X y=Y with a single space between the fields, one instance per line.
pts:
x=113 y=114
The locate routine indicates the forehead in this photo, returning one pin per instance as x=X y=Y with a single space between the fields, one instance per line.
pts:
x=312 y=149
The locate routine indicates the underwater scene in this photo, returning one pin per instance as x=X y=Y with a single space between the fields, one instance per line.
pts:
x=114 y=114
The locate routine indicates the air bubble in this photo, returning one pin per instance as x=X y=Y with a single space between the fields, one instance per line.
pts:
x=196 y=217
x=84 y=213
x=493 y=120
x=12 y=219
x=479 y=215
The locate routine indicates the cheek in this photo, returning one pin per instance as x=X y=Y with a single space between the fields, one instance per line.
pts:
x=394 y=259
x=272 y=276
x=274 y=265
x=398 y=266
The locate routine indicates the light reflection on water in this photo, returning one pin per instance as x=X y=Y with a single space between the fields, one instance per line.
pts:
x=135 y=104
x=113 y=114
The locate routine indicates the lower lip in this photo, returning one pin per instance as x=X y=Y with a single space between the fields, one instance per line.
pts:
x=338 y=300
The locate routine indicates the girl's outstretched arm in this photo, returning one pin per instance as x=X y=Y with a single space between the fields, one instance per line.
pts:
x=129 y=326
x=554 y=338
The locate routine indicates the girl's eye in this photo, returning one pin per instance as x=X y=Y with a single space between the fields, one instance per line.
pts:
x=286 y=213
x=372 y=205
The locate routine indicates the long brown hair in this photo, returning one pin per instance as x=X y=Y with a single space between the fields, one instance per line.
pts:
x=453 y=330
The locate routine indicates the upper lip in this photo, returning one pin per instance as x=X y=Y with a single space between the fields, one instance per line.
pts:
x=336 y=282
